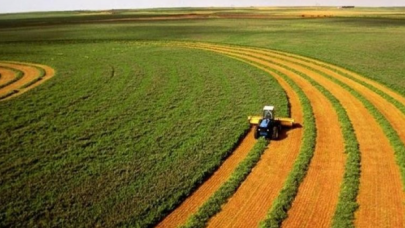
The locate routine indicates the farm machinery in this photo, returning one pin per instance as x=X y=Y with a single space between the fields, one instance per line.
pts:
x=268 y=125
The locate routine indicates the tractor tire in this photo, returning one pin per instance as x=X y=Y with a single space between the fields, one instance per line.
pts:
x=256 y=133
x=274 y=134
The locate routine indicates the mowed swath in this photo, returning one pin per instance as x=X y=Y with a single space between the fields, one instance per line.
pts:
x=32 y=76
x=329 y=146
x=378 y=160
x=7 y=75
x=192 y=203
x=387 y=208
x=373 y=174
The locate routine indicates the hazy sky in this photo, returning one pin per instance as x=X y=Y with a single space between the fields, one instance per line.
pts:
x=8 y=6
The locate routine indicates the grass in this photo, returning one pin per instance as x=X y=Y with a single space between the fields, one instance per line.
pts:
x=220 y=197
x=104 y=140
x=8 y=94
x=373 y=47
x=37 y=79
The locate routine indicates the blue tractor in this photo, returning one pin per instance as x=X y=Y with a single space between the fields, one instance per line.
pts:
x=269 y=126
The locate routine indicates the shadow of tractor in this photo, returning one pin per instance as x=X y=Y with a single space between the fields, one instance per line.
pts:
x=283 y=134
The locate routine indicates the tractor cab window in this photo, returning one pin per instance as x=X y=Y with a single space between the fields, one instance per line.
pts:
x=268 y=114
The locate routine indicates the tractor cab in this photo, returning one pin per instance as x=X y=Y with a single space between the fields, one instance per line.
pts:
x=268 y=112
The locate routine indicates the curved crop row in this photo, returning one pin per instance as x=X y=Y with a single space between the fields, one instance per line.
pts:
x=28 y=76
x=351 y=180
x=214 y=203
x=378 y=144
x=124 y=148
x=332 y=135
x=390 y=130
x=347 y=205
x=16 y=75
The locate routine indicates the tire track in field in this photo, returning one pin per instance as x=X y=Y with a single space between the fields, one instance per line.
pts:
x=329 y=147
x=33 y=75
x=376 y=208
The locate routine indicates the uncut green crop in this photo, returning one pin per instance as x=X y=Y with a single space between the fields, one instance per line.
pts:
x=122 y=133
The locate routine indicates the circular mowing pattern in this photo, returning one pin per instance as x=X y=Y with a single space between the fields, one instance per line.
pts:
x=18 y=77
x=373 y=115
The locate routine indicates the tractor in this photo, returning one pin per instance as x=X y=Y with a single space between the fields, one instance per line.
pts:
x=268 y=125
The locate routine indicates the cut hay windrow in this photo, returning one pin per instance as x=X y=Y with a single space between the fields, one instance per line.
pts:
x=390 y=95
x=17 y=75
x=287 y=195
x=195 y=201
x=214 y=203
x=387 y=116
x=275 y=159
x=347 y=204
x=395 y=142
x=363 y=140
x=322 y=152
x=28 y=76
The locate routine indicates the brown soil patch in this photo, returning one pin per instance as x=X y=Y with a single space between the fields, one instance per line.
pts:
x=7 y=75
x=30 y=71
x=192 y=203
x=327 y=166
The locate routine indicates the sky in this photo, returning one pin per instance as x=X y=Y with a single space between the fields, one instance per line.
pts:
x=11 y=6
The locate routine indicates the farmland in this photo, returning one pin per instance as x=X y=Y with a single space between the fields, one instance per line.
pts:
x=144 y=120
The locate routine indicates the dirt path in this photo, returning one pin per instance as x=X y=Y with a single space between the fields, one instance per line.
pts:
x=326 y=167
x=31 y=72
x=192 y=203
x=7 y=75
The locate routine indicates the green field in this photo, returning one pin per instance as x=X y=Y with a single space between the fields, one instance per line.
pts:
x=127 y=129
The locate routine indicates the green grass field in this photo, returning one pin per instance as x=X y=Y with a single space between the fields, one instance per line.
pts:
x=124 y=131
x=127 y=129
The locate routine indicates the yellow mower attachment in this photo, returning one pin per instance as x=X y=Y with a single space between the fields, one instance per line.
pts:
x=285 y=122
x=254 y=120
x=268 y=113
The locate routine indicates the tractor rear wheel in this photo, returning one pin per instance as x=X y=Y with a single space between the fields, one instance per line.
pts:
x=256 y=133
x=274 y=135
